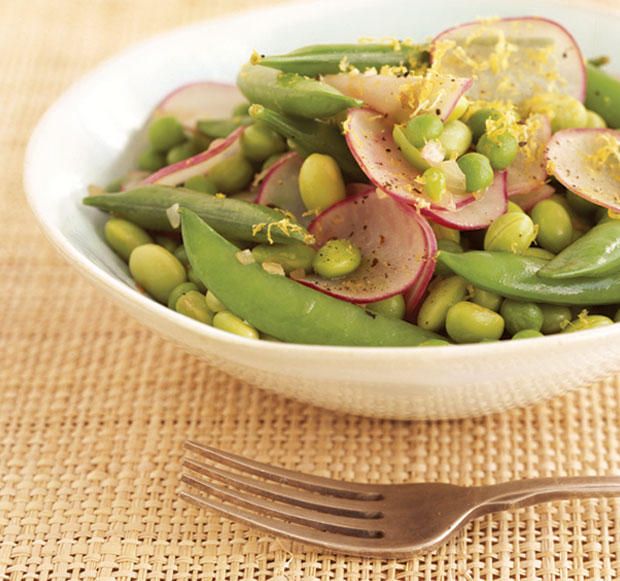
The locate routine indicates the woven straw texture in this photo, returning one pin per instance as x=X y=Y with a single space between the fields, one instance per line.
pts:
x=94 y=408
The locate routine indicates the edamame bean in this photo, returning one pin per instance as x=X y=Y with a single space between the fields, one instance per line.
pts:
x=501 y=149
x=455 y=138
x=512 y=207
x=471 y=323
x=537 y=252
x=181 y=254
x=434 y=309
x=292 y=256
x=114 y=186
x=231 y=175
x=569 y=112
x=579 y=205
x=337 y=258
x=434 y=343
x=165 y=132
x=527 y=334
x=423 y=128
x=478 y=171
x=486 y=299
x=192 y=304
x=594 y=120
x=441 y=270
x=201 y=184
x=214 y=304
x=124 y=236
x=435 y=184
x=555 y=318
x=519 y=316
x=179 y=291
x=156 y=270
x=259 y=142
x=394 y=307
x=182 y=151
x=478 y=121
x=193 y=277
x=446 y=233
x=170 y=244
x=555 y=229
x=226 y=321
x=513 y=232
x=320 y=182
x=584 y=322
x=151 y=160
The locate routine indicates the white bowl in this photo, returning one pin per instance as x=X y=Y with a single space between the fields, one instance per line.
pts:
x=89 y=136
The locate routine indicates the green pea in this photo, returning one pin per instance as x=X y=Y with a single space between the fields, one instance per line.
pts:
x=241 y=109
x=594 y=120
x=156 y=270
x=456 y=139
x=519 y=315
x=441 y=269
x=579 y=205
x=226 y=321
x=512 y=207
x=444 y=294
x=471 y=323
x=192 y=304
x=294 y=256
x=270 y=161
x=527 y=334
x=555 y=228
x=537 y=252
x=320 y=182
x=201 y=141
x=231 y=175
x=501 y=149
x=394 y=307
x=513 y=232
x=337 y=258
x=114 y=186
x=434 y=343
x=170 y=244
x=584 y=322
x=164 y=133
x=214 y=304
x=478 y=171
x=569 y=113
x=180 y=152
x=179 y=291
x=445 y=233
x=151 y=160
x=486 y=299
x=259 y=142
x=193 y=277
x=435 y=185
x=423 y=128
x=124 y=236
x=201 y=184
x=181 y=254
x=478 y=121
x=555 y=318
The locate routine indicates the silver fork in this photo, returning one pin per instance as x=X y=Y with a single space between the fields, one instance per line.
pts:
x=392 y=520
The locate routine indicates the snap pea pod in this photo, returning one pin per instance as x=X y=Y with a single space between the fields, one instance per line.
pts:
x=596 y=253
x=323 y=59
x=281 y=307
x=310 y=136
x=146 y=206
x=292 y=93
x=515 y=277
x=603 y=95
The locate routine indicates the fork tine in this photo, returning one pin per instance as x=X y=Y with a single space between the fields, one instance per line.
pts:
x=294 y=496
x=325 y=522
x=318 y=484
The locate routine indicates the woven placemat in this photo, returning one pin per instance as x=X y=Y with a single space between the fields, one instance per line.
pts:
x=94 y=408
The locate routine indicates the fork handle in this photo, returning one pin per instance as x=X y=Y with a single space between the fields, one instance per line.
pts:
x=522 y=493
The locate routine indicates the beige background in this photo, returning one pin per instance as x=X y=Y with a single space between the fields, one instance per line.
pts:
x=94 y=408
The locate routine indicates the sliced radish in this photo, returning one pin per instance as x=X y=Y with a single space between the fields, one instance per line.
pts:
x=396 y=245
x=357 y=188
x=529 y=200
x=400 y=97
x=416 y=292
x=179 y=173
x=202 y=100
x=490 y=205
x=369 y=137
x=528 y=171
x=587 y=162
x=512 y=59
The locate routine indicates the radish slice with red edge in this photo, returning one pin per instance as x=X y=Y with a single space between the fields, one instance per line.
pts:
x=396 y=244
x=369 y=137
x=416 y=292
x=587 y=162
x=202 y=100
x=179 y=173
x=491 y=204
x=400 y=97
x=529 y=200
x=512 y=59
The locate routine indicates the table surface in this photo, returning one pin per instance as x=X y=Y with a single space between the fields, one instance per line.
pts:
x=94 y=408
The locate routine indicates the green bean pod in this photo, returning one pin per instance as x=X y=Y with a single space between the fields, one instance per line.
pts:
x=603 y=95
x=146 y=206
x=281 y=307
x=324 y=59
x=311 y=136
x=596 y=253
x=291 y=93
x=516 y=277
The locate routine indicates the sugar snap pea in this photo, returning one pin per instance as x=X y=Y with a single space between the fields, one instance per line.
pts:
x=515 y=277
x=323 y=59
x=292 y=93
x=603 y=95
x=146 y=206
x=279 y=306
